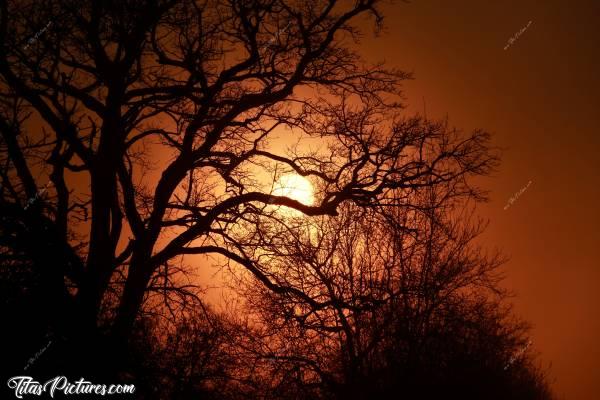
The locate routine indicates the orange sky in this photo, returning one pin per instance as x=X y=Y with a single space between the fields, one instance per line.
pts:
x=540 y=98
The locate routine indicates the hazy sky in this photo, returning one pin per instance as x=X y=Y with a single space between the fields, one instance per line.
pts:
x=541 y=99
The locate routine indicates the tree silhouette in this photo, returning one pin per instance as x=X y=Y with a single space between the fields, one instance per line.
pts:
x=391 y=299
x=135 y=133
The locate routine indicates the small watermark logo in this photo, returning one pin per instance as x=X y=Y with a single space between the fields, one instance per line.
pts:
x=36 y=356
x=516 y=356
x=516 y=196
x=24 y=385
x=279 y=32
x=514 y=38
x=34 y=38
x=36 y=197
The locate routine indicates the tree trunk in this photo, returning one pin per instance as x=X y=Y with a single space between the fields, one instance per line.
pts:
x=131 y=302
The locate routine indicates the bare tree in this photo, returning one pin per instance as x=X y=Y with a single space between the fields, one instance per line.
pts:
x=153 y=119
x=389 y=299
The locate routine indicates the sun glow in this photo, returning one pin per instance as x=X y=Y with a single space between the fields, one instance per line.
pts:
x=295 y=187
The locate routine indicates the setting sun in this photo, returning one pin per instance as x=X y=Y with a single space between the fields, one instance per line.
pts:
x=295 y=187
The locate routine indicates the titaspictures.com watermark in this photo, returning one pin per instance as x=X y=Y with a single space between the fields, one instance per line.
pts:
x=25 y=385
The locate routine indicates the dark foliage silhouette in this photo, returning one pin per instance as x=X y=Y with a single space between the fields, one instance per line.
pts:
x=393 y=299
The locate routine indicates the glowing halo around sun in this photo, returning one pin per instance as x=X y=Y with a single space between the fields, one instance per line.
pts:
x=295 y=187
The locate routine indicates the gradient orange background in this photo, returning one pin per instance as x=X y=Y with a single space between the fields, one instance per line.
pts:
x=541 y=100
